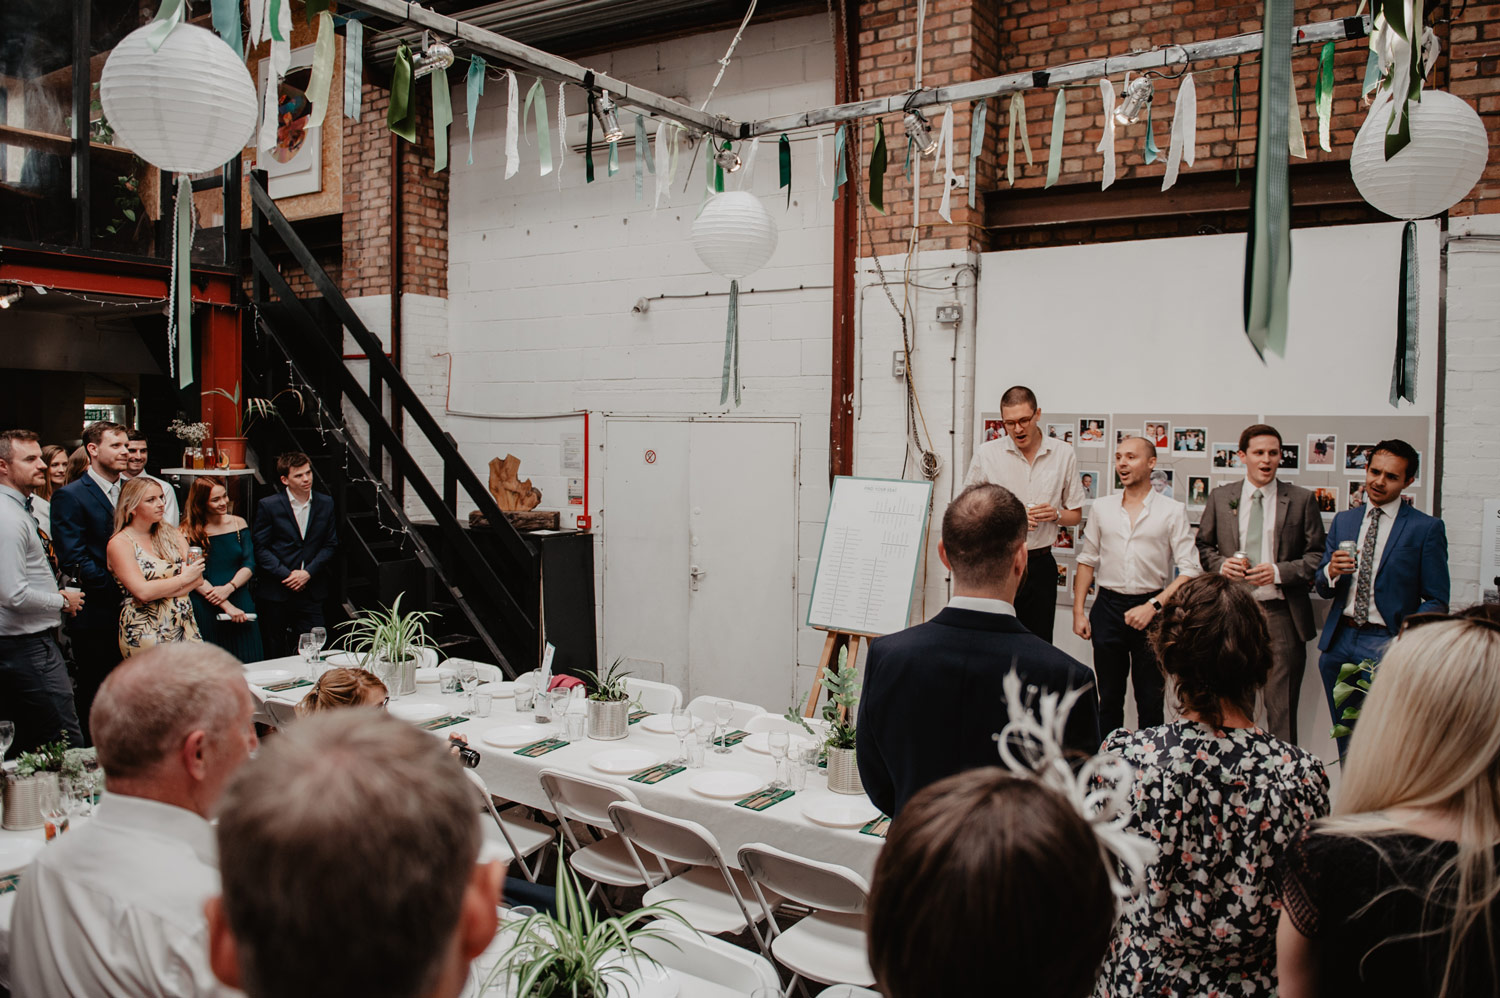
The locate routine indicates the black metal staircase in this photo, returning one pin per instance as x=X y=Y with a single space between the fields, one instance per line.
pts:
x=484 y=580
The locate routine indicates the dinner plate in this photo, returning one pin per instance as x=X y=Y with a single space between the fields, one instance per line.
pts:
x=624 y=760
x=760 y=742
x=500 y=691
x=516 y=735
x=840 y=813
x=727 y=784
x=415 y=711
x=661 y=724
x=15 y=854
x=269 y=677
x=343 y=660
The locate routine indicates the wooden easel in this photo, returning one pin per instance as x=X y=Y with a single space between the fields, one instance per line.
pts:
x=829 y=656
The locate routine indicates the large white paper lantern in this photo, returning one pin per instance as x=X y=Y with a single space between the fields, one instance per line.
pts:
x=734 y=235
x=187 y=107
x=1444 y=161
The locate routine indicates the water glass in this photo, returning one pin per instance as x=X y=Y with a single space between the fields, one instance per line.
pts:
x=468 y=681
x=320 y=640
x=53 y=803
x=525 y=691
x=306 y=648
x=796 y=774
x=559 y=699
x=483 y=703
x=778 y=742
x=682 y=726
x=577 y=726
x=723 y=714
x=697 y=748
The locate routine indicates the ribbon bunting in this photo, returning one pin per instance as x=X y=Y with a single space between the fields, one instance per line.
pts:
x=731 y=347
x=976 y=147
x=1404 y=371
x=1184 y=140
x=1234 y=99
x=226 y=14
x=258 y=22
x=663 y=164
x=278 y=27
x=784 y=163
x=747 y=168
x=1323 y=95
x=1107 y=140
x=822 y=182
x=442 y=117
x=168 y=15
x=401 y=115
x=877 y=169
x=536 y=103
x=279 y=20
x=321 y=80
x=562 y=130
x=1017 y=115
x=473 y=90
x=354 y=69
x=1153 y=151
x=614 y=159
x=840 y=173
x=1055 y=145
x=640 y=158
x=180 y=301
x=1268 y=249
x=1296 y=139
x=945 y=153
x=588 y=143
x=513 y=124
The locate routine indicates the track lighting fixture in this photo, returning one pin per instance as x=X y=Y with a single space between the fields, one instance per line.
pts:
x=920 y=132
x=606 y=115
x=8 y=300
x=728 y=159
x=435 y=56
x=1137 y=99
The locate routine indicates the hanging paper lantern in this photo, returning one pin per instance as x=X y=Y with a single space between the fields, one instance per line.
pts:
x=734 y=236
x=188 y=106
x=1444 y=161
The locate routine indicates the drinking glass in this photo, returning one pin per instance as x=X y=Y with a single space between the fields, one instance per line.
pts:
x=779 y=741
x=697 y=747
x=54 y=808
x=682 y=726
x=320 y=639
x=7 y=735
x=559 y=699
x=723 y=714
x=525 y=691
x=468 y=681
x=306 y=648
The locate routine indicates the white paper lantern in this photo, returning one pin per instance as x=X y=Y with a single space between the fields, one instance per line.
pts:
x=188 y=107
x=734 y=235
x=1444 y=161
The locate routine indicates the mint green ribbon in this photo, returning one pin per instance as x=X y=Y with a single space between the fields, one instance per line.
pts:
x=167 y=17
x=732 y=348
x=840 y=171
x=614 y=159
x=473 y=90
x=1268 y=249
x=1404 y=371
x=537 y=97
x=1153 y=151
x=877 y=169
x=182 y=279
x=641 y=158
x=1055 y=144
x=1323 y=96
x=442 y=117
x=320 y=82
x=1372 y=74
x=976 y=147
x=784 y=161
x=1017 y=117
x=354 y=67
x=401 y=116
x=227 y=24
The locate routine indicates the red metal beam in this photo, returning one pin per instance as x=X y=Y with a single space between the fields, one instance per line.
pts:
x=103 y=276
x=219 y=336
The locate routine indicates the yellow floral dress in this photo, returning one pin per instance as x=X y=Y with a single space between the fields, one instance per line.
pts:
x=159 y=622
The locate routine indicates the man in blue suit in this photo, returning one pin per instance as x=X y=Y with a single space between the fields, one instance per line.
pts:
x=83 y=521
x=295 y=540
x=1399 y=567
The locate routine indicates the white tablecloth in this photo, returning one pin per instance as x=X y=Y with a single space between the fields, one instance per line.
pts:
x=8 y=904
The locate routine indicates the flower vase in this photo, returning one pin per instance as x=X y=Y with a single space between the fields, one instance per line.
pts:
x=23 y=800
x=609 y=720
x=843 y=772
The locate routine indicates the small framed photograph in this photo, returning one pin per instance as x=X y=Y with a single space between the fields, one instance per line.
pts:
x=1161 y=481
x=1291 y=459
x=1118 y=485
x=1197 y=491
x=1356 y=495
x=1322 y=452
x=1327 y=500
x=1066 y=536
x=993 y=427
x=1159 y=431
x=1089 y=479
x=1190 y=440
x=1357 y=458
x=1091 y=431
x=1060 y=431
x=1226 y=457
x=1062 y=575
x=1120 y=435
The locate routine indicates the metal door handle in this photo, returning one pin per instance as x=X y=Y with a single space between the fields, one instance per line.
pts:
x=697 y=574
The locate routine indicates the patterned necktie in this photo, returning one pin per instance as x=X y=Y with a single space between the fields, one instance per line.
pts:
x=46 y=543
x=1366 y=570
x=1257 y=527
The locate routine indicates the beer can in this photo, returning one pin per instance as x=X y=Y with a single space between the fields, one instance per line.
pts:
x=1348 y=547
x=1241 y=554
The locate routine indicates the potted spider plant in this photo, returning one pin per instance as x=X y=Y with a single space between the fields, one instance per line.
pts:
x=575 y=952
x=842 y=684
x=37 y=770
x=390 y=644
x=232 y=449
x=609 y=703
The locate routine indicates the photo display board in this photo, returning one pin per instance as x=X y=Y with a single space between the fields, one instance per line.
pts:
x=867 y=563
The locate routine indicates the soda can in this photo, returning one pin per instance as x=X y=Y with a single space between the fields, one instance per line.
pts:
x=1348 y=547
x=1241 y=554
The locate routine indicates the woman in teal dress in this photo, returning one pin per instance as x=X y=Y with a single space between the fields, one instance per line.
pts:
x=229 y=563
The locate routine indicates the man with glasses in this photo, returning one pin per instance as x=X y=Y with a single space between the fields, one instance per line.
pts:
x=1042 y=472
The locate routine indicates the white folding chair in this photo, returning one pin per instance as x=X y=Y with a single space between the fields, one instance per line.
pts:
x=713 y=960
x=710 y=896
x=703 y=707
x=847 y=991
x=827 y=946
x=280 y=712
x=612 y=860
x=658 y=698
x=522 y=837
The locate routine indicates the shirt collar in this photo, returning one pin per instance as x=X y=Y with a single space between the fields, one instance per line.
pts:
x=1390 y=509
x=981 y=604
x=1048 y=444
x=166 y=820
x=1268 y=490
x=102 y=482
x=291 y=498
x=14 y=493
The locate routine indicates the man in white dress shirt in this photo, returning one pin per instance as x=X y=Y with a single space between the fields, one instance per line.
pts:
x=1042 y=472
x=136 y=455
x=115 y=906
x=1134 y=541
x=350 y=858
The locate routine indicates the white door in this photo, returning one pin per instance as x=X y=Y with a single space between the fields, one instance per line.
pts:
x=700 y=542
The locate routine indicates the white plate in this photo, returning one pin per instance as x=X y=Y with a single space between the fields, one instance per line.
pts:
x=727 y=784
x=269 y=677
x=760 y=742
x=342 y=660
x=516 y=735
x=840 y=813
x=15 y=854
x=500 y=691
x=661 y=724
x=415 y=712
x=624 y=760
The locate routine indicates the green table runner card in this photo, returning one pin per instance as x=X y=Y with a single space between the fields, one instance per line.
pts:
x=446 y=721
x=657 y=773
x=636 y=716
x=10 y=883
x=542 y=747
x=731 y=738
x=877 y=827
x=290 y=684
x=764 y=799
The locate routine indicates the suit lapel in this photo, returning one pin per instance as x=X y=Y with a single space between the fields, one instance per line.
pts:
x=1402 y=516
x=100 y=499
x=1283 y=509
x=1231 y=516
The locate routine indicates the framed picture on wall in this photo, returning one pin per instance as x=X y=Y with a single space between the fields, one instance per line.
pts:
x=1357 y=458
x=1197 y=491
x=1120 y=434
x=1322 y=451
x=1161 y=481
x=1327 y=500
x=1061 y=431
x=1089 y=479
x=295 y=165
x=1226 y=457
x=992 y=428
x=1062 y=575
x=1091 y=431
x=1291 y=459
x=1190 y=440
x=1356 y=495
x=1066 y=538
x=1159 y=431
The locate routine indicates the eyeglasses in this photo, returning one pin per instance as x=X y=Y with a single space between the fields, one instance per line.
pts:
x=1433 y=616
x=1018 y=424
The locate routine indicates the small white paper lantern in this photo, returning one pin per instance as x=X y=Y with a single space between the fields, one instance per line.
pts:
x=1444 y=161
x=734 y=235
x=187 y=107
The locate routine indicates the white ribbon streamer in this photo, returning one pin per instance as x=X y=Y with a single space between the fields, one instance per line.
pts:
x=1184 y=131
x=512 y=124
x=1107 y=140
x=257 y=20
x=945 y=153
x=280 y=60
x=1296 y=139
x=562 y=130
x=818 y=141
x=663 y=164
x=354 y=55
x=747 y=168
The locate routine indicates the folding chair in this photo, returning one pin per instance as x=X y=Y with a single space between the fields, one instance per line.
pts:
x=280 y=712
x=714 y=960
x=522 y=837
x=611 y=860
x=658 y=698
x=827 y=946
x=709 y=896
x=703 y=707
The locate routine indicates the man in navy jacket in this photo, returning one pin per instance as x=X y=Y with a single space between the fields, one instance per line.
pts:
x=1399 y=567
x=295 y=540
x=933 y=697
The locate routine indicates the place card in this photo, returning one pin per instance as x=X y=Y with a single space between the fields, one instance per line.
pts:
x=10 y=883
x=446 y=721
x=636 y=716
x=542 y=747
x=764 y=799
x=657 y=773
x=878 y=827
x=290 y=684
x=731 y=738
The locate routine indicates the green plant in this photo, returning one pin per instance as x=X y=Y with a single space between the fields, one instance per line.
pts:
x=55 y=757
x=387 y=635
x=842 y=683
x=1348 y=685
x=610 y=687
x=128 y=204
x=575 y=952
x=256 y=408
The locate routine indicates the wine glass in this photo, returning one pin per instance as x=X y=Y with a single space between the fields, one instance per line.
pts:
x=468 y=681
x=682 y=726
x=7 y=735
x=306 y=647
x=779 y=742
x=320 y=639
x=52 y=802
x=723 y=714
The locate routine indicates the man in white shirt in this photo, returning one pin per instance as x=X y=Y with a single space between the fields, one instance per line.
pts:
x=136 y=454
x=296 y=538
x=1134 y=541
x=115 y=906
x=1042 y=472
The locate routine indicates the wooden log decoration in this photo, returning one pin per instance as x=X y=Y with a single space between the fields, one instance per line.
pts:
x=530 y=519
x=511 y=494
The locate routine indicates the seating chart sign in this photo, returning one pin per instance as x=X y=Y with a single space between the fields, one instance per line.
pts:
x=867 y=565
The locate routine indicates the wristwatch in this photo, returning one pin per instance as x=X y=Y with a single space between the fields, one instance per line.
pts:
x=1155 y=604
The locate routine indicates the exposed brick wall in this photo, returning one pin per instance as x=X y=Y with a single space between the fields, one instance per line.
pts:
x=1473 y=73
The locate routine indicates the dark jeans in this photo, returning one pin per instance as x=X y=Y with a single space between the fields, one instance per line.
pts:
x=1349 y=644
x=35 y=692
x=1036 y=600
x=96 y=652
x=282 y=622
x=1120 y=651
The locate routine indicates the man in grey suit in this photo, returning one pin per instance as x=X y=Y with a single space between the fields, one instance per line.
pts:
x=1280 y=530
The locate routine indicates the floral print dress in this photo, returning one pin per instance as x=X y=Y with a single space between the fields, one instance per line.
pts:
x=1221 y=806
x=162 y=621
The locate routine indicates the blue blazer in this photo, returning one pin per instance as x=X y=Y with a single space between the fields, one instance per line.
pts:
x=280 y=547
x=933 y=700
x=83 y=521
x=1412 y=576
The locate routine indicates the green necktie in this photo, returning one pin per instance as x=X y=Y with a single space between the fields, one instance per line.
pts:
x=1256 y=528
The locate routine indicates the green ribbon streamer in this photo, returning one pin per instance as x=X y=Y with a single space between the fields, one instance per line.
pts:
x=167 y=16
x=1323 y=95
x=401 y=116
x=321 y=79
x=1234 y=98
x=718 y=171
x=784 y=160
x=537 y=96
x=614 y=159
x=442 y=117
x=227 y=24
x=640 y=122
x=1372 y=73
x=1401 y=103
x=1404 y=371
x=182 y=278
x=588 y=159
x=877 y=169
x=314 y=8
x=840 y=172
x=640 y=158
x=474 y=89
x=910 y=145
x=275 y=20
x=1017 y=117
x=1055 y=145
x=976 y=147
x=1153 y=152
x=732 y=348
x=1268 y=249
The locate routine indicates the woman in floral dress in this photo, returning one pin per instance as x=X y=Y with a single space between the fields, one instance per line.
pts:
x=149 y=558
x=1221 y=799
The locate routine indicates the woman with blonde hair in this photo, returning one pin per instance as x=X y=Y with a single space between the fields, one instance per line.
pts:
x=1397 y=893
x=344 y=688
x=149 y=558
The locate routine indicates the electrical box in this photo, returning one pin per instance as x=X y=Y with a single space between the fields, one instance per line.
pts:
x=951 y=312
x=898 y=364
